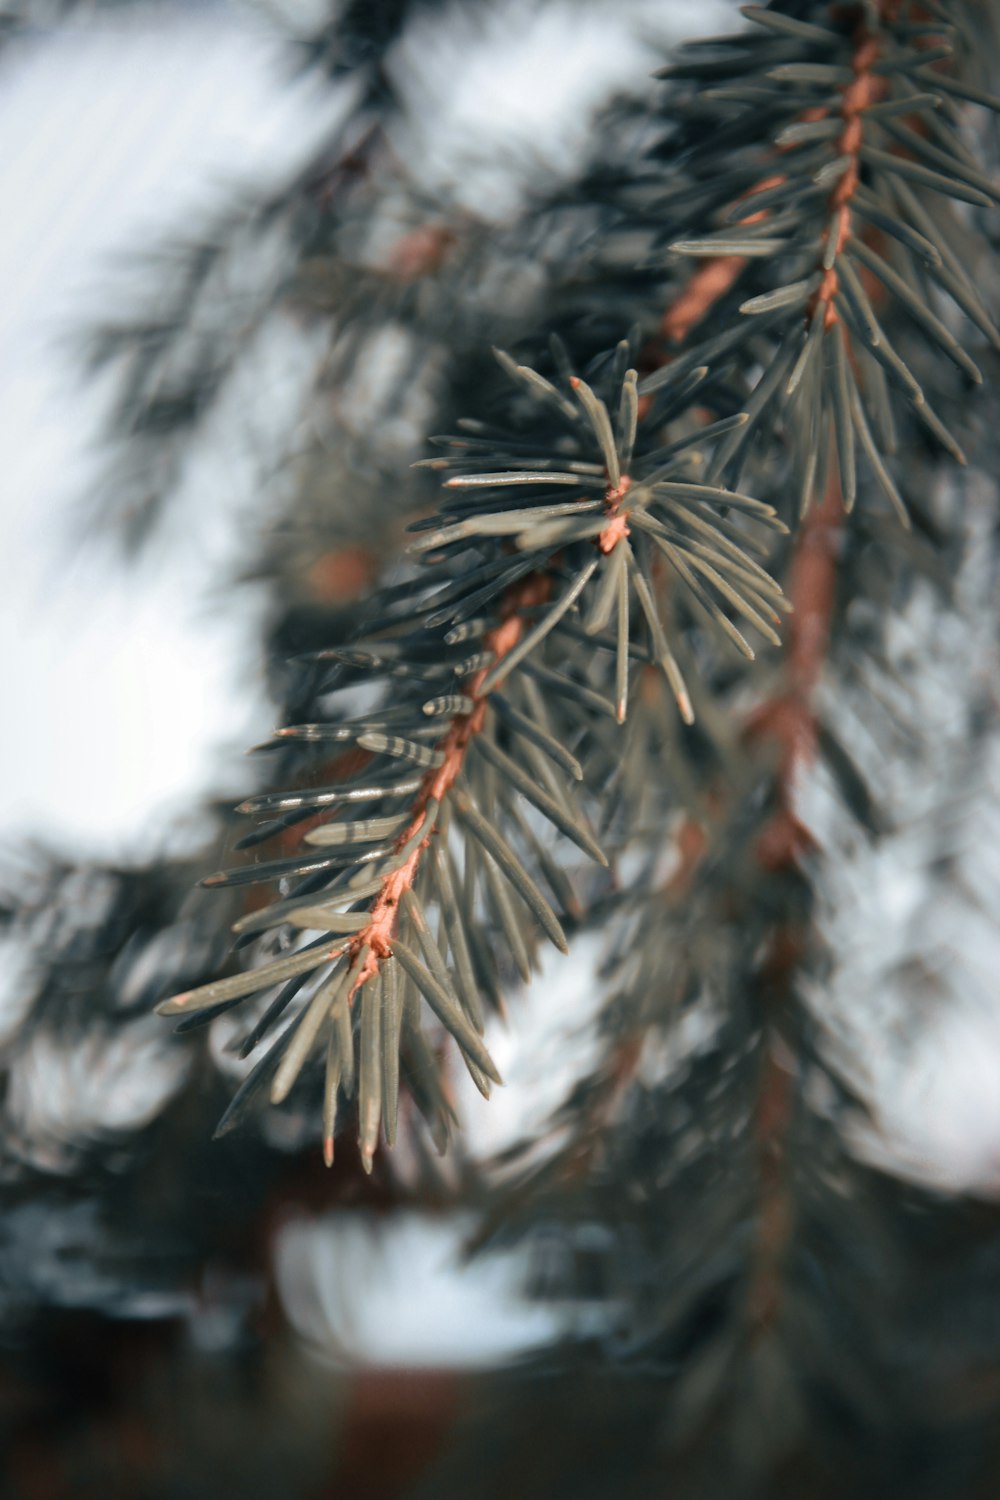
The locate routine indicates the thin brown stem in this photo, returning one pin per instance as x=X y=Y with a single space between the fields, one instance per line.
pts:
x=377 y=935
x=867 y=89
x=789 y=719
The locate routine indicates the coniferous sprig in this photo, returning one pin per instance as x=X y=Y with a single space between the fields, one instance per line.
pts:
x=643 y=501
x=402 y=839
x=543 y=575
x=393 y=845
x=824 y=201
x=486 y=667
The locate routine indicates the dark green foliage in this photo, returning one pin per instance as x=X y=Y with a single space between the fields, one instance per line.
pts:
x=562 y=508
x=634 y=666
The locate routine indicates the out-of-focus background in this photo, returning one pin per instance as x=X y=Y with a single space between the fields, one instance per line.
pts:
x=130 y=687
x=120 y=127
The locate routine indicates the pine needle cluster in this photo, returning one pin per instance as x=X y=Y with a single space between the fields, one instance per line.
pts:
x=814 y=192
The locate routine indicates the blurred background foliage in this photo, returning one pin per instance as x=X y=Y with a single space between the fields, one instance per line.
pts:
x=657 y=1299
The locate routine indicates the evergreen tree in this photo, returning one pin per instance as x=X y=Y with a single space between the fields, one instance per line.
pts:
x=685 y=625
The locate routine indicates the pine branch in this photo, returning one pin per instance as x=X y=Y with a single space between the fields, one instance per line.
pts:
x=822 y=120
x=548 y=531
x=561 y=666
x=560 y=519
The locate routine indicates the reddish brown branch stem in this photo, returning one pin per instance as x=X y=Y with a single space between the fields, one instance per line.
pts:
x=375 y=940
x=789 y=720
x=867 y=89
